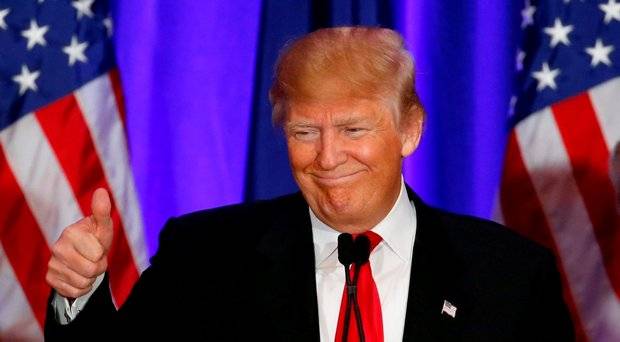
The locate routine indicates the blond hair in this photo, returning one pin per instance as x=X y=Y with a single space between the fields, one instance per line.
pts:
x=346 y=62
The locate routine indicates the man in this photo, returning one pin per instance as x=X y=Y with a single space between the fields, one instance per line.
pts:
x=346 y=101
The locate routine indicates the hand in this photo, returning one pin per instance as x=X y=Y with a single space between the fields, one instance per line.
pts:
x=80 y=254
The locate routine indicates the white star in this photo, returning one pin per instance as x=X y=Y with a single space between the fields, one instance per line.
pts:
x=520 y=58
x=35 y=34
x=612 y=11
x=546 y=77
x=3 y=14
x=528 y=15
x=107 y=22
x=75 y=51
x=600 y=53
x=83 y=8
x=26 y=80
x=511 y=105
x=559 y=33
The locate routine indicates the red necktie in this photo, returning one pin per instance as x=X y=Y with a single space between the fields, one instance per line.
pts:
x=368 y=299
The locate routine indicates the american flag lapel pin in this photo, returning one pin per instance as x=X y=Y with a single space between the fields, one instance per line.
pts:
x=448 y=309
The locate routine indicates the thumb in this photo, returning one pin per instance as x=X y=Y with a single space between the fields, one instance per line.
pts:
x=101 y=208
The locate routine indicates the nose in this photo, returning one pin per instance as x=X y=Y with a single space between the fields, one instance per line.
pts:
x=331 y=152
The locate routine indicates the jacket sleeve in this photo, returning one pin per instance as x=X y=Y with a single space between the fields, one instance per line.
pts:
x=144 y=309
x=97 y=314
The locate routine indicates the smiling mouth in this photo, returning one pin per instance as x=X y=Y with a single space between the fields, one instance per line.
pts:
x=335 y=179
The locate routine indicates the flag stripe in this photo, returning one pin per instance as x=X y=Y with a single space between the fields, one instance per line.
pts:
x=40 y=177
x=517 y=187
x=68 y=135
x=589 y=158
x=115 y=80
x=528 y=218
x=549 y=167
x=23 y=243
x=605 y=99
x=17 y=321
x=103 y=120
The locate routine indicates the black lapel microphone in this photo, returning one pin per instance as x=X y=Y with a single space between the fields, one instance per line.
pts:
x=346 y=256
x=352 y=252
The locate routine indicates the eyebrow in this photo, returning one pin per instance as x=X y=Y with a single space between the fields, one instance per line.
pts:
x=299 y=124
x=352 y=120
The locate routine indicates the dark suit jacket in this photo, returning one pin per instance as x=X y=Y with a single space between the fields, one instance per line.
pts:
x=247 y=273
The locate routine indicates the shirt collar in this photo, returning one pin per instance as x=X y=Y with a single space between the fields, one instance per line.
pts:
x=397 y=230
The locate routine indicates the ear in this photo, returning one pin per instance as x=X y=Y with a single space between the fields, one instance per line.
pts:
x=411 y=131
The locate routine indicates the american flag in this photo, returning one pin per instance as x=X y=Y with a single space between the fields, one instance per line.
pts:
x=61 y=136
x=558 y=181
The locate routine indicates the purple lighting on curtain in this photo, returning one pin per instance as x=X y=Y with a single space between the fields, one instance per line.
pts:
x=464 y=53
x=187 y=69
x=494 y=58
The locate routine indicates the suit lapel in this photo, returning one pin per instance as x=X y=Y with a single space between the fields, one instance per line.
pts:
x=435 y=277
x=287 y=283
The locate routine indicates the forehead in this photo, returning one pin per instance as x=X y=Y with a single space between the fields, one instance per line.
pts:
x=336 y=111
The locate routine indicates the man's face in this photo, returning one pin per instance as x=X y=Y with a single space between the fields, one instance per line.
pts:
x=346 y=157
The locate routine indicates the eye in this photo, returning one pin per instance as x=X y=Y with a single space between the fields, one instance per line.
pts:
x=355 y=131
x=305 y=134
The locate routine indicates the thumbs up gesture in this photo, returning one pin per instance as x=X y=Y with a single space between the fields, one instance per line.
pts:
x=80 y=254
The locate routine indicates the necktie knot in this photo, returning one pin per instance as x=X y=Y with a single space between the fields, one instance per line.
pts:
x=373 y=237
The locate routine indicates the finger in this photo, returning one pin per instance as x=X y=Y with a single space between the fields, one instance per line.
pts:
x=89 y=246
x=101 y=208
x=60 y=271
x=70 y=257
x=65 y=289
x=81 y=238
x=88 y=268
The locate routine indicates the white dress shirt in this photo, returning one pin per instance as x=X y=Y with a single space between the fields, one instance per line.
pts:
x=65 y=312
x=390 y=262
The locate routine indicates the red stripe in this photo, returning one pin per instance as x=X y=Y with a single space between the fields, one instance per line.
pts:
x=522 y=211
x=521 y=207
x=68 y=134
x=589 y=157
x=115 y=79
x=23 y=242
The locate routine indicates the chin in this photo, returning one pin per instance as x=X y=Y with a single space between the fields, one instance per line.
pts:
x=346 y=209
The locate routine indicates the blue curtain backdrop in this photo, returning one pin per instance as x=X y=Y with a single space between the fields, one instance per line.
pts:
x=196 y=76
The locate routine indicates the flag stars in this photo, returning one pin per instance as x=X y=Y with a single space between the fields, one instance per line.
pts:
x=546 y=77
x=511 y=105
x=600 y=53
x=75 y=51
x=611 y=9
x=26 y=80
x=559 y=33
x=35 y=34
x=107 y=23
x=83 y=8
x=3 y=14
x=519 y=60
x=527 y=15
